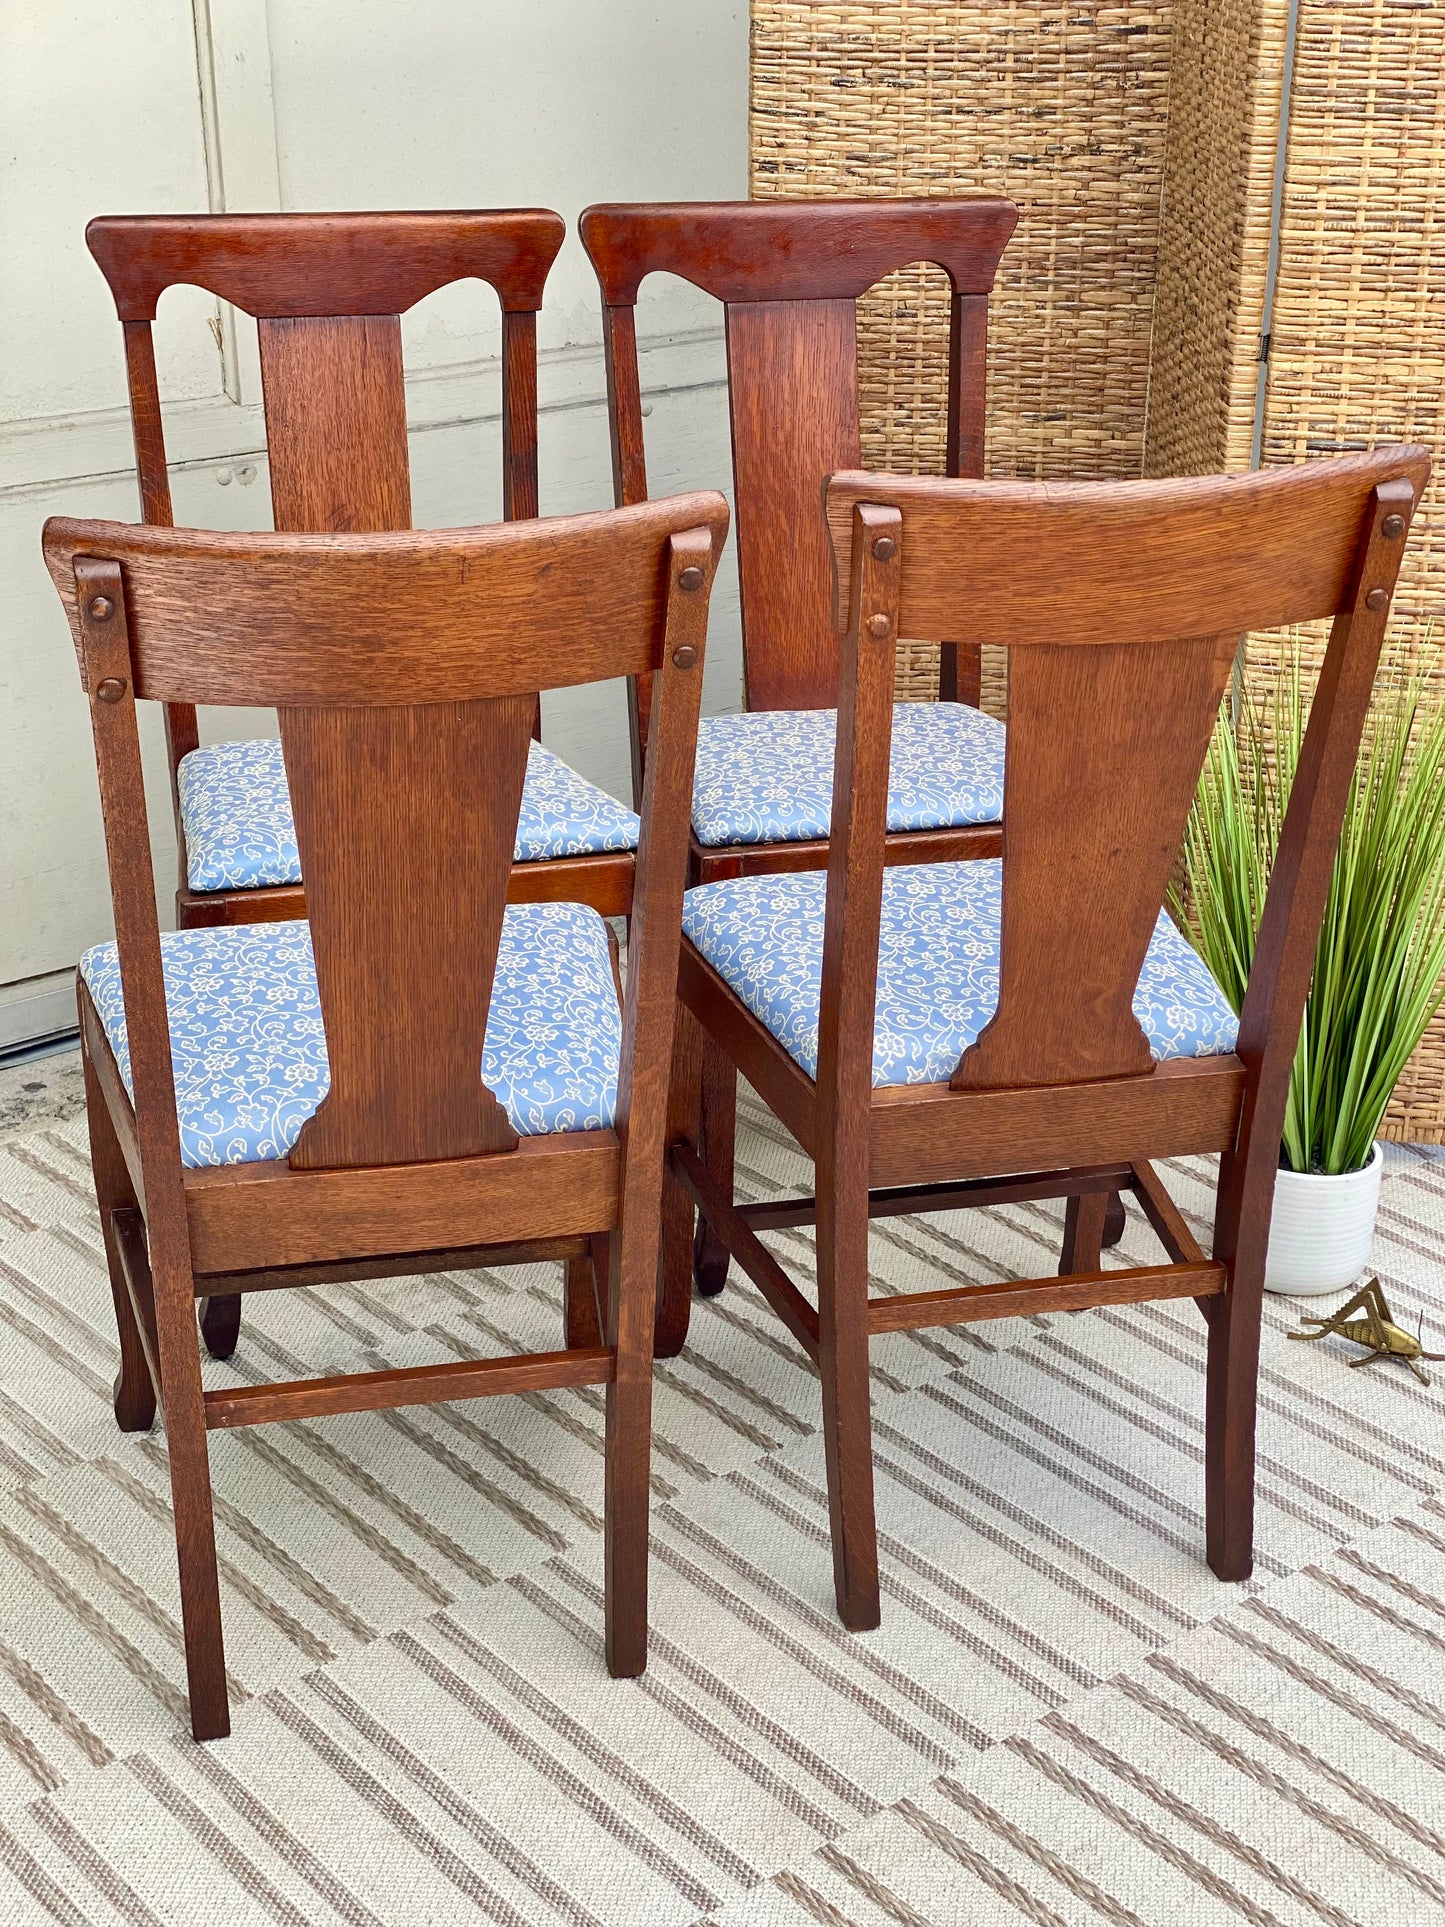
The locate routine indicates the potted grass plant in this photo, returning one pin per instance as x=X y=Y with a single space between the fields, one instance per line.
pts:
x=1377 y=978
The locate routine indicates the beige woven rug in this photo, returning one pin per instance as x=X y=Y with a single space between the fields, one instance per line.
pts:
x=1063 y=1719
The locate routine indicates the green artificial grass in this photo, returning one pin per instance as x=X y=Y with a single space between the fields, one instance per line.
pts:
x=1377 y=978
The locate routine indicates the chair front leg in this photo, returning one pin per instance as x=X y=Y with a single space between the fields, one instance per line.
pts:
x=133 y=1394
x=684 y=1126
x=718 y=1151
x=221 y=1323
x=586 y=1289
x=1230 y=1400
x=1114 y=1220
x=842 y=1249
x=1084 y=1221
x=629 y=1447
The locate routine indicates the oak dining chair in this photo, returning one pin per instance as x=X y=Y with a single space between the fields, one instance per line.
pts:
x=327 y=292
x=425 y=1077
x=976 y=1033
x=789 y=275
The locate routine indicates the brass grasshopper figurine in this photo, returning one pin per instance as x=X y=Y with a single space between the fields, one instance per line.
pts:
x=1375 y=1330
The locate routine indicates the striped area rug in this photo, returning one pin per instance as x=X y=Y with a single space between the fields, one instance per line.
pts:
x=1063 y=1720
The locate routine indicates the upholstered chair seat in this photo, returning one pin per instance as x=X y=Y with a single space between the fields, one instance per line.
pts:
x=938 y=967
x=249 y=1050
x=766 y=776
x=240 y=835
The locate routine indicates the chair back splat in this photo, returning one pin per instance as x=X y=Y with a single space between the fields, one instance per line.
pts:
x=327 y=292
x=789 y=275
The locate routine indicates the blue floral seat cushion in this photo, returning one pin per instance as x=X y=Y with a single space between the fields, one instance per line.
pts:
x=937 y=967
x=236 y=812
x=767 y=776
x=249 y=1050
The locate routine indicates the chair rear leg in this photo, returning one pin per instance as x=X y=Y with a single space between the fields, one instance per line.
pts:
x=1229 y=1421
x=164 y=1277
x=684 y=1126
x=133 y=1394
x=842 y=1246
x=1084 y=1220
x=629 y=1449
x=221 y=1323
x=719 y=1143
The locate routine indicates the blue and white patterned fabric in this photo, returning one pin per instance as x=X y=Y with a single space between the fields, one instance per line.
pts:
x=236 y=811
x=767 y=776
x=937 y=967
x=249 y=1050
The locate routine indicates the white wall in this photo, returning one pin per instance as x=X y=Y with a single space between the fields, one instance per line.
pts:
x=311 y=104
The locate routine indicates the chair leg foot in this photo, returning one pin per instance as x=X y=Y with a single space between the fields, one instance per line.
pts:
x=628 y=1504
x=220 y=1322
x=134 y=1404
x=709 y=1260
x=1114 y=1221
x=1231 y=1397
x=186 y=1447
x=847 y=1410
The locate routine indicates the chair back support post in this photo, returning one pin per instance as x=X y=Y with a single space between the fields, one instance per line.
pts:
x=153 y=476
x=960 y=665
x=1279 y=977
x=858 y=830
x=103 y=637
x=789 y=275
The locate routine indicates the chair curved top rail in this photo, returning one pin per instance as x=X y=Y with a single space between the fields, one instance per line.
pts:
x=794 y=250
x=406 y=616
x=299 y=265
x=1113 y=562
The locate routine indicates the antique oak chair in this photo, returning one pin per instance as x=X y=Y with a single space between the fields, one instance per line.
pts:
x=327 y=292
x=978 y=1033
x=789 y=275
x=426 y=1078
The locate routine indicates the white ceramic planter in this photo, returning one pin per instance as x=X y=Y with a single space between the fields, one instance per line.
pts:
x=1321 y=1229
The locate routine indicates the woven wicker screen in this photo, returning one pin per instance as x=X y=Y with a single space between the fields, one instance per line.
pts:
x=1142 y=146
x=1064 y=109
